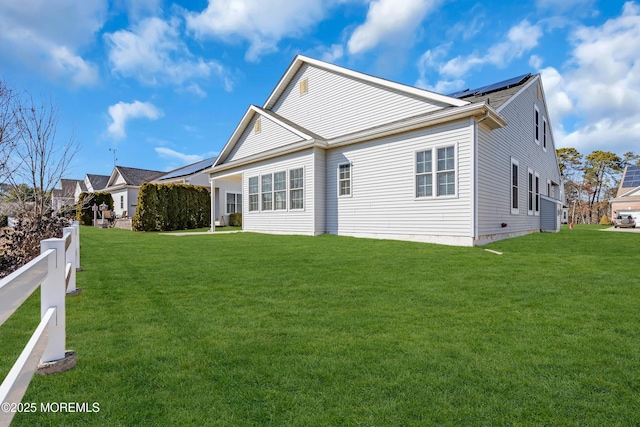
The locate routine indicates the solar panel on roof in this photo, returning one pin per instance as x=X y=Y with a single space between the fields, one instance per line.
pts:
x=189 y=169
x=459 y=93
x=632 y=177
x=501 y=85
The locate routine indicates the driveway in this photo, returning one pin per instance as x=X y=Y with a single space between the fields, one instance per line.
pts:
x=627 y=230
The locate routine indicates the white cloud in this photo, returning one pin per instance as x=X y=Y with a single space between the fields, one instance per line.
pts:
x=332 y=54
x=559 y=6
x=388 y=21
x=520 y=39
x=429 y=60
x=48 y=36
x=121 y=112
x=600 y=89
x=168 y=153
x=153 y=53
x=261 y=23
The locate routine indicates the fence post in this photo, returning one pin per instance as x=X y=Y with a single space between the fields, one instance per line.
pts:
x=70 y=260
x=52 y=294
x=76 y=241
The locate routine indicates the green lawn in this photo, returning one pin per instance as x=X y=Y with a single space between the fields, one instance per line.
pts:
x=247 y=329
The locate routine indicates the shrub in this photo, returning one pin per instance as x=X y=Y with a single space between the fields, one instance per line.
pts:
x=4 y=220
x=84 y=213
x=21 y=244
x=605 y=220
x=235 y=219
x=166 y=207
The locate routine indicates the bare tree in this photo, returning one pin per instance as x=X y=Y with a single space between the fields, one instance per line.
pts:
x=9 y=127
x=40 y=158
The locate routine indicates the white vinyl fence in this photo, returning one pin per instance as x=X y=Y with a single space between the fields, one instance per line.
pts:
x=55 y=270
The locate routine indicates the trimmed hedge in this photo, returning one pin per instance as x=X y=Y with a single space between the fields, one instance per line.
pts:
x=235 y=219
x=167 y=207
x=84 y=214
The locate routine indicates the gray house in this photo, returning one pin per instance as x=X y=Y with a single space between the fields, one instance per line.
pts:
x=336 y=151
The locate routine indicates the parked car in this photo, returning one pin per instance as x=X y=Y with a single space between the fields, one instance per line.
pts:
x=624 y=221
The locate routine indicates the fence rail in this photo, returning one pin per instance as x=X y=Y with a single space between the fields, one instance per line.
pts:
x=55 y=271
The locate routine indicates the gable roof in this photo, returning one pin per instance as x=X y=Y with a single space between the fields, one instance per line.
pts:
x=98 y=182
x=301 y=60
x=133 y=176
x=188 y=169
x=68 y=187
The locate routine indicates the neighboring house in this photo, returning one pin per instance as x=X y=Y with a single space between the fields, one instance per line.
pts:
x=336 y=151
x=124 y=185
x=627 y=200
x=91 y=184
x=65 y=195
x=228 y=198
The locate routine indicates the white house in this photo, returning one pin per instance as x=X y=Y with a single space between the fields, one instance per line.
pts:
x=124 y=185
x=228 y=197
x=336 y=151
x=90 y=184
x=627 y=200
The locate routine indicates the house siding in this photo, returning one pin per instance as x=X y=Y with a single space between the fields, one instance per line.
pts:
x=383 y=202
x=284 y=221
x=271 y=136
x=496 y=148
x=337 y=105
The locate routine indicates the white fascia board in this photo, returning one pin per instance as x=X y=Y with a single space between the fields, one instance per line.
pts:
x=291 y=129
x=266 y=155
x=112 y=178
x=421 y=121
x=300 y=59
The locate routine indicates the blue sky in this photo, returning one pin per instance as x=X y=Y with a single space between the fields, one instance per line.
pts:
x=165 y=83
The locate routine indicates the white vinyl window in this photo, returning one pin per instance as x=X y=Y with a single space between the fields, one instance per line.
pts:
x=254 y=196
x=424 y=174
x=296 y=188
x=536 y=124
x=266 y=191
x=234 y=203
x=280 y=190
x=545 y=129
x=344 y=179
x=515 y=189
x=446 y=171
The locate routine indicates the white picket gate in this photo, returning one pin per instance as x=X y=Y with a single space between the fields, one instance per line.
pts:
x=55 y=271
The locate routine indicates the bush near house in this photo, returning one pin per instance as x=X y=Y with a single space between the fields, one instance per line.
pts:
x=84 y=214
x=167 y=207
x=235 y=219
x=605 y=220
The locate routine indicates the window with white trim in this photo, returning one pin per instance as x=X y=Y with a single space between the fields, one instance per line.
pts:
x=254 y=194
x=344 y=179
x=446 y=171
x=544 y=133
x=424 y=174
x=280 y=190
x=530 y=200
x=266 y=191
x=234 y=203
x=515 y=202
x=296 y=188
x=549 y=188
x=121 y=202
x=537 y=188
x=536 y=123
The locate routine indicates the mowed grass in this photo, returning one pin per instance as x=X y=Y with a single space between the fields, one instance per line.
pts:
x=248 y=329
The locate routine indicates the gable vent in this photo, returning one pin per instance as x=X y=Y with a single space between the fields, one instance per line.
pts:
x=304 y=86
x=256 y=126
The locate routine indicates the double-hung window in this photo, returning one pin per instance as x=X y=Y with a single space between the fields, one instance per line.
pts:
x=424 y=174
x=436 y=167
x=446 y=171
x=234 y=203
x=515 y=202
x=344 y=179
x=254 y=194
x=544 y=134
x=296 y=188
x=266 y=182
x=280 y=190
